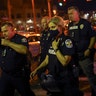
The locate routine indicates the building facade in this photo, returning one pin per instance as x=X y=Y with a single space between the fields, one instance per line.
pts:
x=21 y=12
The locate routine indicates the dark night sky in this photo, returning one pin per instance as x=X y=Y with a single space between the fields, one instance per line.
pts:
x=82 y=4
x=3 y=5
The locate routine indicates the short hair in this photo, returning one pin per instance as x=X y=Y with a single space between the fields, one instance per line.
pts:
x=57 y=20
x=47 y=18
x=74 y=7
x=7 y=23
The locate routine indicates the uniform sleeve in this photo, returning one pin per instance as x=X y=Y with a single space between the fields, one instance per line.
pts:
x=67 y=47
x=91 y=31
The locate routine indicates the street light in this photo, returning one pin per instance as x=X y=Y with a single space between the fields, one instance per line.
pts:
x=49 y=8
x=9 y=9
x=34 y=15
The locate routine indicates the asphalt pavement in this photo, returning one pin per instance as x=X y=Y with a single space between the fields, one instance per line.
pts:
x=36 y=88
x=84 y=86
x=35 y=85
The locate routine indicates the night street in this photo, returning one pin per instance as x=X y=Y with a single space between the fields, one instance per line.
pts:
x=84 y=86
x=35 y=84
x=57 y=37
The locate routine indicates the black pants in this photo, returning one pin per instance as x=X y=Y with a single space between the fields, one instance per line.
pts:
x=21 y=84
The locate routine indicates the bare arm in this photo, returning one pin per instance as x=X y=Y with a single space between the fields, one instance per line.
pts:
x=92 y=42
x=43 y=64
x=63 y=59
x=17 y=47
x=91 y=45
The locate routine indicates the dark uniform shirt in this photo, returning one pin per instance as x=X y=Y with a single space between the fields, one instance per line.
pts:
x=10 y=60
x=46 y=38
x=44 y=42
x=66 y=47
x=81 y=33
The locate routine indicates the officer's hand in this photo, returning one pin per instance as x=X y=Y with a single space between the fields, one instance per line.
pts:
x=32 y=74
x=55 y=44
x=87 y=53
x=5 y=42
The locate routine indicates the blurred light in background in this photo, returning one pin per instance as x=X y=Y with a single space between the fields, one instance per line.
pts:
x=88 y=0
x=60 y=4
x=29 y=21
x=54 y=12
x=86 y=15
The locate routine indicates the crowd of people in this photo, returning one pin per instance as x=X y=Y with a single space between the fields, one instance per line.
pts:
x=67 y=50
x=63 y=50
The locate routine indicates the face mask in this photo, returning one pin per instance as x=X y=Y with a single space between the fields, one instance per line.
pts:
x=53 y=33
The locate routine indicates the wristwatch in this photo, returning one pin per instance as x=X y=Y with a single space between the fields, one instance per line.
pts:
x=56 y=50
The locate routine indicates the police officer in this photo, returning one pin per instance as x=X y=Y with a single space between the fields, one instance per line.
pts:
x=84 y=36
x=44 y=40
x=44 y=37
x=13 y=58
x=59 y=61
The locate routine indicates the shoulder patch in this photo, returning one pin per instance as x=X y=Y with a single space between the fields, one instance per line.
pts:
x=24 y=40
x=68 y=43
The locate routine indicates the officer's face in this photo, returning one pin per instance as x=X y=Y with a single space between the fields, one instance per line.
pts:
x=52 y=26
x=7 y=31
x=44 y=24
x=73 y=15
